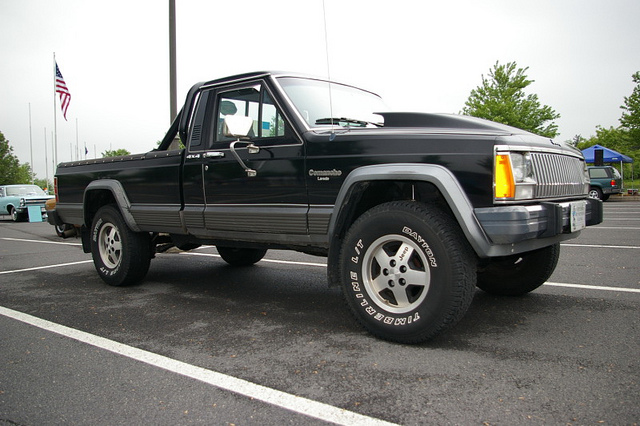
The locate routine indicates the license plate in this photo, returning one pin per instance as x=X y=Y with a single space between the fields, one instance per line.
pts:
x=577 y=216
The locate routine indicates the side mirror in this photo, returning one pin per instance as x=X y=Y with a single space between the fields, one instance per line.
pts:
x=237 y=126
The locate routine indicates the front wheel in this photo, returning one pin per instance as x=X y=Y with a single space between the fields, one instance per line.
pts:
x=519 y=274
x=407 y=272
x=120 y=255
x=15 y=216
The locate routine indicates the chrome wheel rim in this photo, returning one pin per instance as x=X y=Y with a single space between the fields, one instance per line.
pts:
x=110 y=246
x=396 y=274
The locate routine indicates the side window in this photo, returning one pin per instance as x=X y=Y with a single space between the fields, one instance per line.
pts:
x=253 y=101
x=245 y=102
x=273 y=124
x=598 y=173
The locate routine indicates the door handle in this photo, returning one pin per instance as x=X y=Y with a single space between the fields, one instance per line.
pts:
x=213 y=154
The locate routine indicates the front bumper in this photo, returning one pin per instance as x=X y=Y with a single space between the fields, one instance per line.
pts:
x=24 y=210
x=515 y=224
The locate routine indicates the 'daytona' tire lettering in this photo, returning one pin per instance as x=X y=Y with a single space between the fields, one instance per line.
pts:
x=407 y=272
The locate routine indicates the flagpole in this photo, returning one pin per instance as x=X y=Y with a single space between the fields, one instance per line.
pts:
x=31 y=144
x=55 y=117
x=46 y=160
x=53 y=166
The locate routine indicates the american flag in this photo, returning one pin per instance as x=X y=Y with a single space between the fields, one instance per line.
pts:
x=61 y=88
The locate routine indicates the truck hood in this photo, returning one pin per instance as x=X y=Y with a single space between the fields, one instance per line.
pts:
x=452 y=123
x=445 y=121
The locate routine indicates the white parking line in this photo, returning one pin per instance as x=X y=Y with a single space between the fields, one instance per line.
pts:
x=36 y=268
x=581 y=286
x=274 y=397
x=598 y=246
x=323 y=265
x=594 y=287
x=40 y=241
x=593 y=228
x=284 y=262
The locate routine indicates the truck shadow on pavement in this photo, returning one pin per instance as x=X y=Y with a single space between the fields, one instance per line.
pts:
x=298 y=299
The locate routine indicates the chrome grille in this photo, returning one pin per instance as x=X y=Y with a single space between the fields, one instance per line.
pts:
x=558 y=175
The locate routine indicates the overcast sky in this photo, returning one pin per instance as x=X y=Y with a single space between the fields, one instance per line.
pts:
x=419 y=55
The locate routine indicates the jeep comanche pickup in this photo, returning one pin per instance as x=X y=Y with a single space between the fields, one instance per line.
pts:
x=412 y=210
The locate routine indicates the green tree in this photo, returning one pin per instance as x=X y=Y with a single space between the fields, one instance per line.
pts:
x=44 y=184
x=501 y=98
x=618 y=139
x=11 y=171
x=576 y=140
x=630 y=119
x=615 y=138
x=115 y=152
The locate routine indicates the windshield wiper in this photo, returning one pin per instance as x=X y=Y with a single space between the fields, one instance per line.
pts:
x=348 y=121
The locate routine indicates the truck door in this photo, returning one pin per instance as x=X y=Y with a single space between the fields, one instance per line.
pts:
x=273 y=201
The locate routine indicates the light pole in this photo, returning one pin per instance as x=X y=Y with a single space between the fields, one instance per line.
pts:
x=172 y=60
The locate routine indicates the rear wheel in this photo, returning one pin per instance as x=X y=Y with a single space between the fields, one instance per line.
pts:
x=519 y=274
x=241 y=256
x=596 y=193
x=120 y=255
x=406 y=271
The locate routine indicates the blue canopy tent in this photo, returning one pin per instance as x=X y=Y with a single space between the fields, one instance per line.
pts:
x=608 y=156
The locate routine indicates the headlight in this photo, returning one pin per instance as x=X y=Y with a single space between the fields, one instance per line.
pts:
x=513 y=176
x=522 y=167
x=22 y=202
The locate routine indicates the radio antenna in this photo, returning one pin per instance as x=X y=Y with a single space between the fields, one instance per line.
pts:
x=326 y=49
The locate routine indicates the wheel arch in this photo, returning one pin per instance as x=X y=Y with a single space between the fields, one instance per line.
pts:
x=9 y=207
x=103 y=192
x=369 y=186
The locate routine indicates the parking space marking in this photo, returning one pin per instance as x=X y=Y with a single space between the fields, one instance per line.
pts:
x=598 y=246
x=324 y=265
x=242 y=387
x=285 y=262
x=36 y=268
x=611 y=227
x=581 y=286
x=40 y=241
x=594 y=287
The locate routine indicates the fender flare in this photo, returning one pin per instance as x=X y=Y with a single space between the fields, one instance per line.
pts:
x=119 y=194
x=437 y=175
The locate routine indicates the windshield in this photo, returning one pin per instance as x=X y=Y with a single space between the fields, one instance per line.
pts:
x=351 y=106
x=23 y=190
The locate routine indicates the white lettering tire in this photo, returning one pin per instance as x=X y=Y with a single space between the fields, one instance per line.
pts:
x=120 y=255
x=407 y=273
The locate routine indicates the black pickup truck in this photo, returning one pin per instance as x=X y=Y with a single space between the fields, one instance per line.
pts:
x=412 y=210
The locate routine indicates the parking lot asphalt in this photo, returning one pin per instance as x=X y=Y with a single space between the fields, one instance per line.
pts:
x=199 y=342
